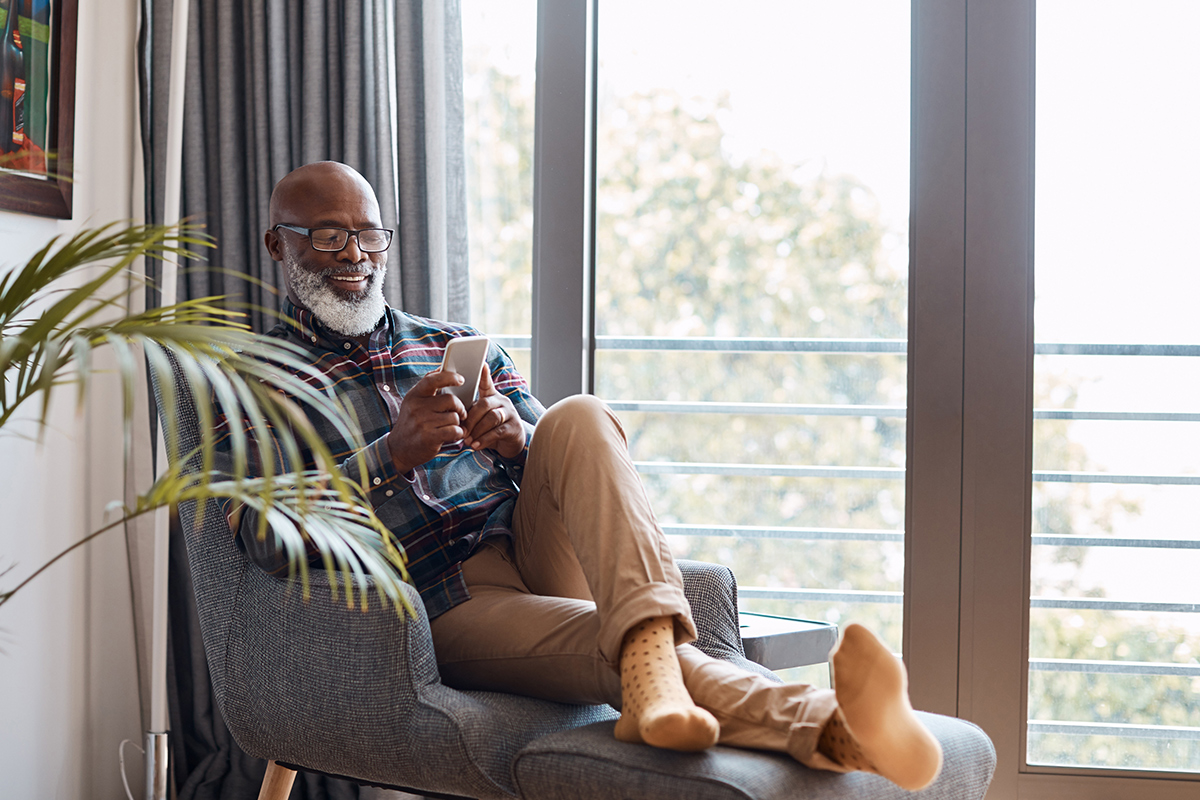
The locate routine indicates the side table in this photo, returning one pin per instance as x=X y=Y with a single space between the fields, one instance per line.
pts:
x=783 y=642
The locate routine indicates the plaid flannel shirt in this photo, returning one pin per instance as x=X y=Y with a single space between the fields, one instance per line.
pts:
x=440 y=511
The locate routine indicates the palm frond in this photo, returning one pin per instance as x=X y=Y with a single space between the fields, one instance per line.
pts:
x=260 y=386
x=303 y=510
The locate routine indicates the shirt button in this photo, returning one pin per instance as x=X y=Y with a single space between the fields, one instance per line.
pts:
x=389 y=493
x=346 y=345
x=387 y=388
x=378 y=481
x=314 y=339
x=425 y=496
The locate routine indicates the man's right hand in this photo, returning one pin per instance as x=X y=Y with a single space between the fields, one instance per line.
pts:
x=427 y=420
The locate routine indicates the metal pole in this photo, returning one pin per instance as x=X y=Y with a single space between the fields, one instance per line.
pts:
x=156 y=737
x=156 y=766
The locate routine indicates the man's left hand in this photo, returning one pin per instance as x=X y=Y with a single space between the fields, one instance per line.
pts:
x=493 y=422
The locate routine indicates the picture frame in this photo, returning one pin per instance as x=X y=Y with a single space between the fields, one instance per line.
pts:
x=37 y=128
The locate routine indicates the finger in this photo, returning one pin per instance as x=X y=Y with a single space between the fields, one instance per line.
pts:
x=489 y=413
x=483 y=406
x=446 y=433
x=488 y=422
x=454 y=405
x=451 y=433
x=495 y=436
x=441 y=420
x=434 y=382
x=429 y=429
x=437 y=403
x=485 y=381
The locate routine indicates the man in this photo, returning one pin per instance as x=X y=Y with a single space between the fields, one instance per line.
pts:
x=573 y=554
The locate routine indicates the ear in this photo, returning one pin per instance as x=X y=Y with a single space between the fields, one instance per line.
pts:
x=274 y=245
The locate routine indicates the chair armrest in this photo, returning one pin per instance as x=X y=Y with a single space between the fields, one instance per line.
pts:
x=711 y=590
x=311 y=672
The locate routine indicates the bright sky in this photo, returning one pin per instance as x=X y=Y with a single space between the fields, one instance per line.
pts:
x=811 y=81
x=1118 y=165
x=1118 y=124
x=807 y=86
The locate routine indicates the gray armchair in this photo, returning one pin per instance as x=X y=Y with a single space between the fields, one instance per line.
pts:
x=315 y=686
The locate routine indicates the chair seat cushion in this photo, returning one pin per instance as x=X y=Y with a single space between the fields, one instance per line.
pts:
x=589 y=764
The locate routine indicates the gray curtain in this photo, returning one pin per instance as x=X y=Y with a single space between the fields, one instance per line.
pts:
x=276 y=84
x=432 y=174
x=272 y=85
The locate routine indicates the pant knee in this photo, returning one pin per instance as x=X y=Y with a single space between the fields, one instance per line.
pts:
x=580 y=414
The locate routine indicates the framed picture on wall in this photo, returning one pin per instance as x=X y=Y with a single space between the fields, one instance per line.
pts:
x=37 y=105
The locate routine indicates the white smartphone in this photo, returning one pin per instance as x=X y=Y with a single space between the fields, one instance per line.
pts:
x=465 y=355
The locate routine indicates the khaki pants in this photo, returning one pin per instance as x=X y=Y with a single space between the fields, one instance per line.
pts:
x=588 y=561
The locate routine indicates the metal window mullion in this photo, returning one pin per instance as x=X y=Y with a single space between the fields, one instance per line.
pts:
x=767 y=470
x=1119 y=729
x=563 y=187
x=933 y=494
x=998 y=355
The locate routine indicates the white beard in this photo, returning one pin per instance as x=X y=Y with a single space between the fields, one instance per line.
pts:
x=348 y=316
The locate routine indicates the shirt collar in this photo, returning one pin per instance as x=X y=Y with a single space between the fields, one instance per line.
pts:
x=306 y=324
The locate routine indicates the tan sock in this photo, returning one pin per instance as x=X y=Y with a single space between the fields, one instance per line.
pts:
x=875 y=728
x=839 y=744
x=655 y=705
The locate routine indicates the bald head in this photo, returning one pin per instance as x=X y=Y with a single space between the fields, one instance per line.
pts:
x=319 y=188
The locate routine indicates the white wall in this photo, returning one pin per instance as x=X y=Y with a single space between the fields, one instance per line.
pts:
x=68 y=683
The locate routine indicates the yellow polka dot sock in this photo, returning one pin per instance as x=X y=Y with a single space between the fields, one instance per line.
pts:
x=874 y=728
x=655 y=705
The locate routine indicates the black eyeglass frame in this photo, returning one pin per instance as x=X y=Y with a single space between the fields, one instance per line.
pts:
x=309 y=232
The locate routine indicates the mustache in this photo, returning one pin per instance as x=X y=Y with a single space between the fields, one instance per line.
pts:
x=331 y=271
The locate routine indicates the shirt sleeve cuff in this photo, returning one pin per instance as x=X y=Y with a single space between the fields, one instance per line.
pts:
x=515 y=467
x=381 y=479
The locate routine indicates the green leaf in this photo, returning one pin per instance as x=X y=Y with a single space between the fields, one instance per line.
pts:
x=263 y=385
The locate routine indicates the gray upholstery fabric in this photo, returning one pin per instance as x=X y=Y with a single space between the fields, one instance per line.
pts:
x=711 y=591
x=291 y=678
x=569 y=766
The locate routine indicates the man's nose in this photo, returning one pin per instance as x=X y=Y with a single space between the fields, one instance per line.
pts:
x=351 y=253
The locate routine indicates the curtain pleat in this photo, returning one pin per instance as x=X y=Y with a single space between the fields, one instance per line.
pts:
x=270 y=86
x=433 y=210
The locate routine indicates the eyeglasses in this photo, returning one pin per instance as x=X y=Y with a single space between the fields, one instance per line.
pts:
x=333 y=240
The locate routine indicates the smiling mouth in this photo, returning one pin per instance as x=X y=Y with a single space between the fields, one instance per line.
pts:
x=350 y=280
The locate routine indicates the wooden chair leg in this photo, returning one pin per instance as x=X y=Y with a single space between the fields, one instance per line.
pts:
x=277 y=784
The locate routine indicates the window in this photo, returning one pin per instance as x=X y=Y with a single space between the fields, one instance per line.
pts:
x=1114 y=652
x=499 y=52
x=972 y=443
x=751 y=289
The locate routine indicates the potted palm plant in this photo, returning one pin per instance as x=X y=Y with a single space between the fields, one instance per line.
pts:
x=69 y=299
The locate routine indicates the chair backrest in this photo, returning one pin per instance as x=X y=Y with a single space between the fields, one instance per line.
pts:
x=216 y=563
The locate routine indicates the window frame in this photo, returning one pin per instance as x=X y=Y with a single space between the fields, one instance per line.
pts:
x=970 y=358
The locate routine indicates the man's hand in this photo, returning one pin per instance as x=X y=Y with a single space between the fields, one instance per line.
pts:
x=427 y=420
x=493 y=421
